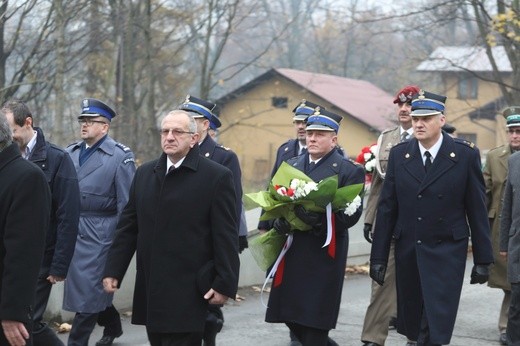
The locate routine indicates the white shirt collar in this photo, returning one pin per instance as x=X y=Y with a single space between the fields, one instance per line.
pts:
x=169 y=163
x=409 y=131
x=434 y=150
x=30 y=146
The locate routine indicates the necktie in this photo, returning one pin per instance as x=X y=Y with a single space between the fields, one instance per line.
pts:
x=303 y=150
x=312 y=164
x=404 y=136
x=172 y=167
x=428 y=161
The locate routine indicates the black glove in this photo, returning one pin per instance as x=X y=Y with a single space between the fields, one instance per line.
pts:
x=367 y=232
x=479 y=274
x=242 y=243
x=377 y=273
x=309 y=217
x=282 y=226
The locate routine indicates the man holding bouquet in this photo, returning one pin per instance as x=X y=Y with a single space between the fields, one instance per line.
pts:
x=307 y=292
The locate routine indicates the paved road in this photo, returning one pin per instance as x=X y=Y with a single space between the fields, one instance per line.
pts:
x=476 y=322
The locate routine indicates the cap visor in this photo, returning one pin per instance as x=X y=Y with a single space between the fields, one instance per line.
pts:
x=424 y=112
x=300 y=117
x=318 y=128
x=91 y=115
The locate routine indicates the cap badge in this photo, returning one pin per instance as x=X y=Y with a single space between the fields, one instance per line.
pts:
x=402 y=97
x=85 y=103
x=421 y=94
x=187 y=98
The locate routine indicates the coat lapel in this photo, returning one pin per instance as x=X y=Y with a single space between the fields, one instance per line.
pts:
x=413 y=163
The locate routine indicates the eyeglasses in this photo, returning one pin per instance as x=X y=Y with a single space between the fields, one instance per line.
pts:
x=175 y=132
x=514 y=131
x=89 y=122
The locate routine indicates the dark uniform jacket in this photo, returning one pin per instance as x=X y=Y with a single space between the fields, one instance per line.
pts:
x=63 y=182
x=24 y=218
x=177 y=223
x=227 y=158
x=430 y=217
x=310 y=292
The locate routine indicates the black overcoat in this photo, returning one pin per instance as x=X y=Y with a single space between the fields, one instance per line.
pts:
x=430 y=216
x=25 y=205
x=177 y=223
x=310 y=292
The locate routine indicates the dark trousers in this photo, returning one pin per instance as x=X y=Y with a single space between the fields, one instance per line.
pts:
x=513 y=322
x=111 y=320
x=309 y=336
x=82 y=326
x=42 y=334
x=424 y=333
x=174 y=339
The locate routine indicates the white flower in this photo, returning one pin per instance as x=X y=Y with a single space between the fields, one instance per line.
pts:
x=370 y=165
x=353 y=206
x=302 y=188
x=373 y=149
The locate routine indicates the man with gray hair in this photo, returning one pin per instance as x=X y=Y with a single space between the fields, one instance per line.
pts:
x=24 y=218
x=186 y=246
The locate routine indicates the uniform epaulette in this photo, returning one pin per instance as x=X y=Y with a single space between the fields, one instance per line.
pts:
x=500 y=147
x=355 y=162
x=388 y=130
x=223 y=147
x=122 y=147
x=463 y=141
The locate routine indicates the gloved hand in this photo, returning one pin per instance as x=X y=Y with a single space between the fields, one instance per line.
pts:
x=242 y=243
x=309 y=217
x=377 y=273
x=479 y=274
x=282 y=226
x=367 y=232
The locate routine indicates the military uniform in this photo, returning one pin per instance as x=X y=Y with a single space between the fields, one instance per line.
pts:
x=383 y=299
x=495 y=174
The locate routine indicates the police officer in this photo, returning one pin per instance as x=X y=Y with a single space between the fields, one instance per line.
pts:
x=308 y=294
x=204 y=113
x=382 y=309
x=105 y=171
x=63 y=227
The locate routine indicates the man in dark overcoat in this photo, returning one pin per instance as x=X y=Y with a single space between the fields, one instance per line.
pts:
x=433 y=195
x=308 y=297
x=24 y=219
x=63 y=228
x=181 y=220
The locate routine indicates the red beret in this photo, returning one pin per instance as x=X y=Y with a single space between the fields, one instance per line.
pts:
x=406 y=93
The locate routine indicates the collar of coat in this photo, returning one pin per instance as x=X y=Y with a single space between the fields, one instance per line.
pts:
x=191 y=161
x=9 y=154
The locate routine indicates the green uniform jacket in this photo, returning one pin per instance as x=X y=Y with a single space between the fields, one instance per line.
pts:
x=495 y=174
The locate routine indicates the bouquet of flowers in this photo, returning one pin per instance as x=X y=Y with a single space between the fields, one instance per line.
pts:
x=367 y=157
x=288 y=188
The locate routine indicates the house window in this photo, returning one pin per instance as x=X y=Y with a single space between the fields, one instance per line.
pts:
x=468 y=87
x=279 y=102
x=470 y=137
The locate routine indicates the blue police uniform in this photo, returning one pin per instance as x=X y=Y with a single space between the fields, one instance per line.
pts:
x=105 y=175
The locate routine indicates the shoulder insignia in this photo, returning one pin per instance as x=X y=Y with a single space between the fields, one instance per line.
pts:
x=389 y=129
x=122 y=147
x=130 y=159
x=463 y=141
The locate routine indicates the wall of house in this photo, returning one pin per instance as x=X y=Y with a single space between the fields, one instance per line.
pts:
x=254 y=129
x=487 y=132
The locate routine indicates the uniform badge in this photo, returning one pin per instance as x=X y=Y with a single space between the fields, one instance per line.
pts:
x=389 y=146
x=407 y=155
x=207 y=154
x=452 y=154
x=334 y=164
x=286 y=149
